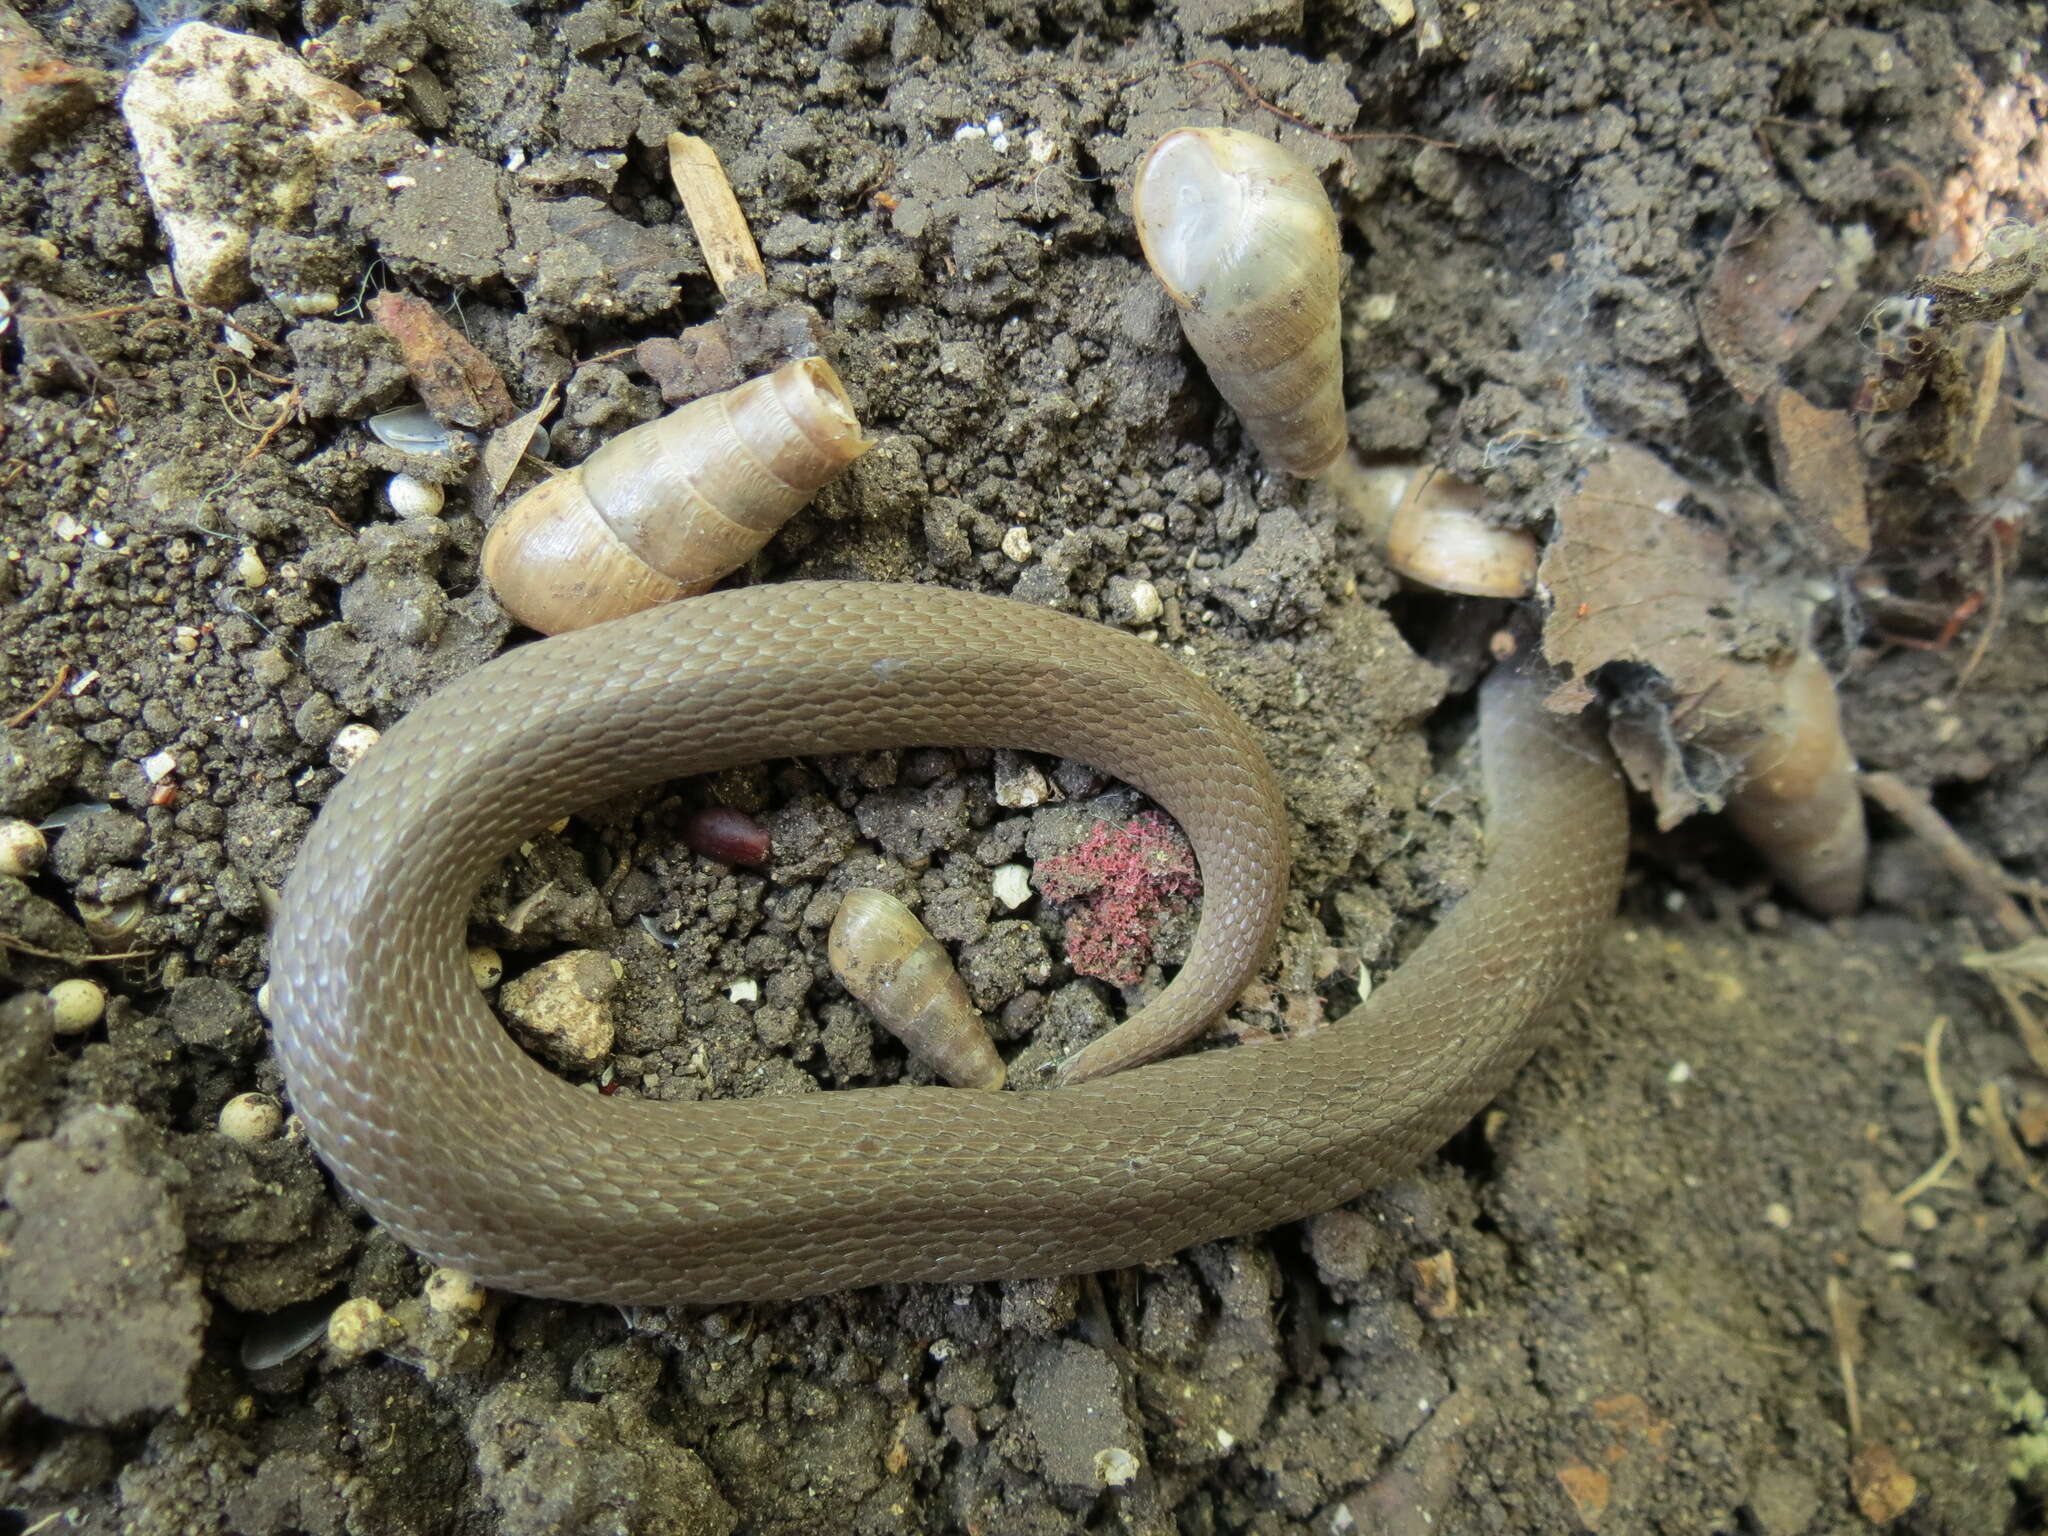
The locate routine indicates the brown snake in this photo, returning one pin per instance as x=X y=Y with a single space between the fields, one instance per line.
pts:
x=480 y=1158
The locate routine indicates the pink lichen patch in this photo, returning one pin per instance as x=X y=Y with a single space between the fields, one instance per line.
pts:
x=1122 y=882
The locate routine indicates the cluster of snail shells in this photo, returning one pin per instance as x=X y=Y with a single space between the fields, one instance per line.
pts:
x=1242 y=236
x=667 y=509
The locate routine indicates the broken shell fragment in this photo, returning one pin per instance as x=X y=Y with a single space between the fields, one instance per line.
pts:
x=885 y=957
x=667 y=509
x=1242 y=235
x=1429 y=527
x=1798 y=803
x=415 y=429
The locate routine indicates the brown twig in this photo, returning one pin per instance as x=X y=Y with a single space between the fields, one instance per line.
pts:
x=23 y=717
x=1912 y=807
x=287 y=411
x=1243 y=83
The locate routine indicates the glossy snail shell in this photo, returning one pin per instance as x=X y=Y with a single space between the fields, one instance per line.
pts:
x=886 y=958
x=1798 y=802
x=1430 y=527
x=668 y=508
x=1242 y=234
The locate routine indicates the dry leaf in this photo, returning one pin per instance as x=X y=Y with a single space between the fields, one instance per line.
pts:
x=1820 y=471
x=1774 y=288
x=507 y=445
x=1638 y=574
x=455 y=381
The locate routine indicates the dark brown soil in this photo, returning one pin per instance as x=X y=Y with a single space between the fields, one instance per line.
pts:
x=1655 y=1235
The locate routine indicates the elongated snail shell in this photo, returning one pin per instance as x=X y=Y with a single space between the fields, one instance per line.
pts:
x=1798 y=802
x=885 y=957
x=1242 y=234
x=1428 y=526
x=665 y=510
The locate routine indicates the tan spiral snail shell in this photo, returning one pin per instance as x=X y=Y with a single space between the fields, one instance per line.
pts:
x=1242 y=235
x=665 y=510
x=888 y=959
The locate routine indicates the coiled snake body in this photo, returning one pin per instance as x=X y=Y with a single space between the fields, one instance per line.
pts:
x=480 y=1158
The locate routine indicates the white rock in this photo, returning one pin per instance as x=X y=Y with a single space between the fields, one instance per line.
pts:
x=1012 y=885
x=1017 y=544
x=350 y=743
x=1019 y=784
x=250 y=1118
x=200 y=87
x=562 y=1007
x=22 y=848
x=250 y=569
x=76 y=1005
x=452 y=1293
x=411 y=496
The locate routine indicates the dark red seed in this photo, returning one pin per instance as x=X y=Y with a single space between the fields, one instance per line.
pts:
x=729 y=836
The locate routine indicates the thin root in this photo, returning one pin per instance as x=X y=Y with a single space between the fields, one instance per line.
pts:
x=1243 y=83
x=1917 y=813
x=23 y=716
x=1945 y=1111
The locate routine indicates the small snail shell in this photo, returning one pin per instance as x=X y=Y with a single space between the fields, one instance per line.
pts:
x=1428 y=527
x=885 y=957
x=668 y=508
x=1241 y=233
x=1798 y=803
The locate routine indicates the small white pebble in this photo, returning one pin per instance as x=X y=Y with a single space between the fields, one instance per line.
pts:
x=185 y=639
x=159 y=766
x=1017 y=544
x=1019 y=784
x=1038 y=144
x=1012 y=885
x=1115 y=1467
x=1377 y=308
x=1778 y=1214
x=1681 y=1072
x=250 y=1118
x=411 y=496
x=359 y=1326
x=1225 y=1439
x=1145 y=602
x=350 y=743
x=451 y=1292
x=745 y=990
x=22 y=848
x=486 y=967
x=263 y=1000
x=250 y=569
x=76 y=1005
x=1922 y=1217
x=1900 y=1259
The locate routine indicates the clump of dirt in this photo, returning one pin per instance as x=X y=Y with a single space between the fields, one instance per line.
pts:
x=1619 y=1302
